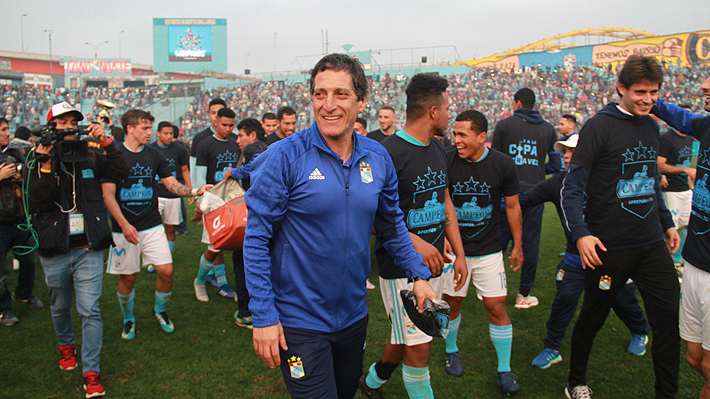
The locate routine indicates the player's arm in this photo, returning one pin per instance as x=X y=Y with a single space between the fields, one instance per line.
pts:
x=453 y=235
x=664 y=215
x=515 y=220
x=676 y=117
x=182 y=190
x=109 y=192
x=667 y=169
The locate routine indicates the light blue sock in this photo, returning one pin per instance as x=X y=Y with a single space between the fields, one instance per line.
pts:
x=171 y=244
x=205 y=267
x=678 y=256
x=502 y=338
x=417 y=382
x=126 y=304
x=220 y=274
x=451 y=346
x=373 y=380
x=161 y=301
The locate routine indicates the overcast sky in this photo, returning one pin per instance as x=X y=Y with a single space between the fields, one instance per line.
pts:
x=476 y=28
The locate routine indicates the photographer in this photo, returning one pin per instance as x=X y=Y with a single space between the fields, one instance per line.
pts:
x=11 y=215
x=70 y=217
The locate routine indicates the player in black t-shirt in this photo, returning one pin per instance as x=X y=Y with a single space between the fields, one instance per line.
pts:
x=478 y=179
x=138 y=233
x=387 y=118
x=620 y=232
x=287 y=125
x=215 y=155
x=170 y=204
x=420 y=163
x=674 y=156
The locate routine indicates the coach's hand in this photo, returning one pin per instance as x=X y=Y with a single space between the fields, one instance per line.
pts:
x=430 y=254
x=587 y=247
x=672 y=240
x=267 y=341
x=423 y=291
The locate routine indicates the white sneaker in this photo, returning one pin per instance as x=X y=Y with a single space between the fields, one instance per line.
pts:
x=525 y=302
x=15 y=264
x=200 y=292
x=369 y=285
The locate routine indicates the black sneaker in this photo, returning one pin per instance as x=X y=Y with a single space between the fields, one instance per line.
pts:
x=7 y=318
x=371 y=393
x=32 y=302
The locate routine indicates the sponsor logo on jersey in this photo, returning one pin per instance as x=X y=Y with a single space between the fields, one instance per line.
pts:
x=316 y=175
x=295 y=365
x=365 y=173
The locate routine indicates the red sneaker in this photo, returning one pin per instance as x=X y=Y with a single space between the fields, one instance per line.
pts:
x=92 y=385
x=68 y=359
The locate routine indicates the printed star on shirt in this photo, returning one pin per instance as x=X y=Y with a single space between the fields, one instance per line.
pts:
x=138 y=170
x=420 y=183
x=431 y=177
x=148 y=172
x=485 y=187
x=628 y=155
x=457 y=187
x=641 y=150
x=471 y=184
x=442 y=177
x=706 y=156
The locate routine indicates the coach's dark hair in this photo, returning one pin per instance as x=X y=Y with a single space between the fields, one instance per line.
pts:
x=268 y=115
x=342 y=62
x=526 y=97
x=226 y=112
x=252 y=125
x=217 y=101
x=479 y=123
x=570 y=118
x=164 y=124
x=424 y=91
x=638 y=68
x=285 y=110
x=133 y=117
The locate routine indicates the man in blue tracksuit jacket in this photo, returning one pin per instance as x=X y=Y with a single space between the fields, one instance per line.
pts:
x=314 y=199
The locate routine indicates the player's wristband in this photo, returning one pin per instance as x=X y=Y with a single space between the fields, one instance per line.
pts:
x=415 y=279
x=194 y=192
x=107 y=142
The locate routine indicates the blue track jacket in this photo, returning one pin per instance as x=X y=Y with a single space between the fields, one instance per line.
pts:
x=306 y=247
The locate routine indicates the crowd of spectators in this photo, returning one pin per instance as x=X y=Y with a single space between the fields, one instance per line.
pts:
x=579 y=90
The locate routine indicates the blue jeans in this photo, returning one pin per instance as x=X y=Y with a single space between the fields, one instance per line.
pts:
x=10 y=236
x=78 y=271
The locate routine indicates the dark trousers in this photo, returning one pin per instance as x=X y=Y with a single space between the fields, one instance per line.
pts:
x=570 y=285
x=240 y=284
x=10 y=236
x=532 y=226
x=324 y=365
x=651 y=268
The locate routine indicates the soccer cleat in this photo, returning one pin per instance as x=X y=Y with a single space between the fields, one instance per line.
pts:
x=7 y=318
x=242 y=321
x=453 y=364
x=150 y=269
x=369 y=285
x=371 y=393
x=525 y=302
x=31 y=302
x=67 y=361
x=637 y=346
x=227 y=292
x=212 y=280
x=129 y=330
x=578 y=392
x=507 y=383
x=200 y=292
x=92 y=385
x=547 y=358
x=165 y=322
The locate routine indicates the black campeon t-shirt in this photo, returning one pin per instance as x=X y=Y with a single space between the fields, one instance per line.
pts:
x=136 y=194
x=218 y=155
x=421 y=171
x=697 y=246
x=377 y=135
x=476 y=190
x=620 y=155
x=677 y=150
x=177 y=156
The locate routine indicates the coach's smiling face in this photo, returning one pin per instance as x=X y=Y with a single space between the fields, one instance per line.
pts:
x=335 y=104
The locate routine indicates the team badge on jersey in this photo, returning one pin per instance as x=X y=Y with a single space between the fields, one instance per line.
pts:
x=365 y=173
x=605 y=283
x=560 y=275
x=296 y=366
